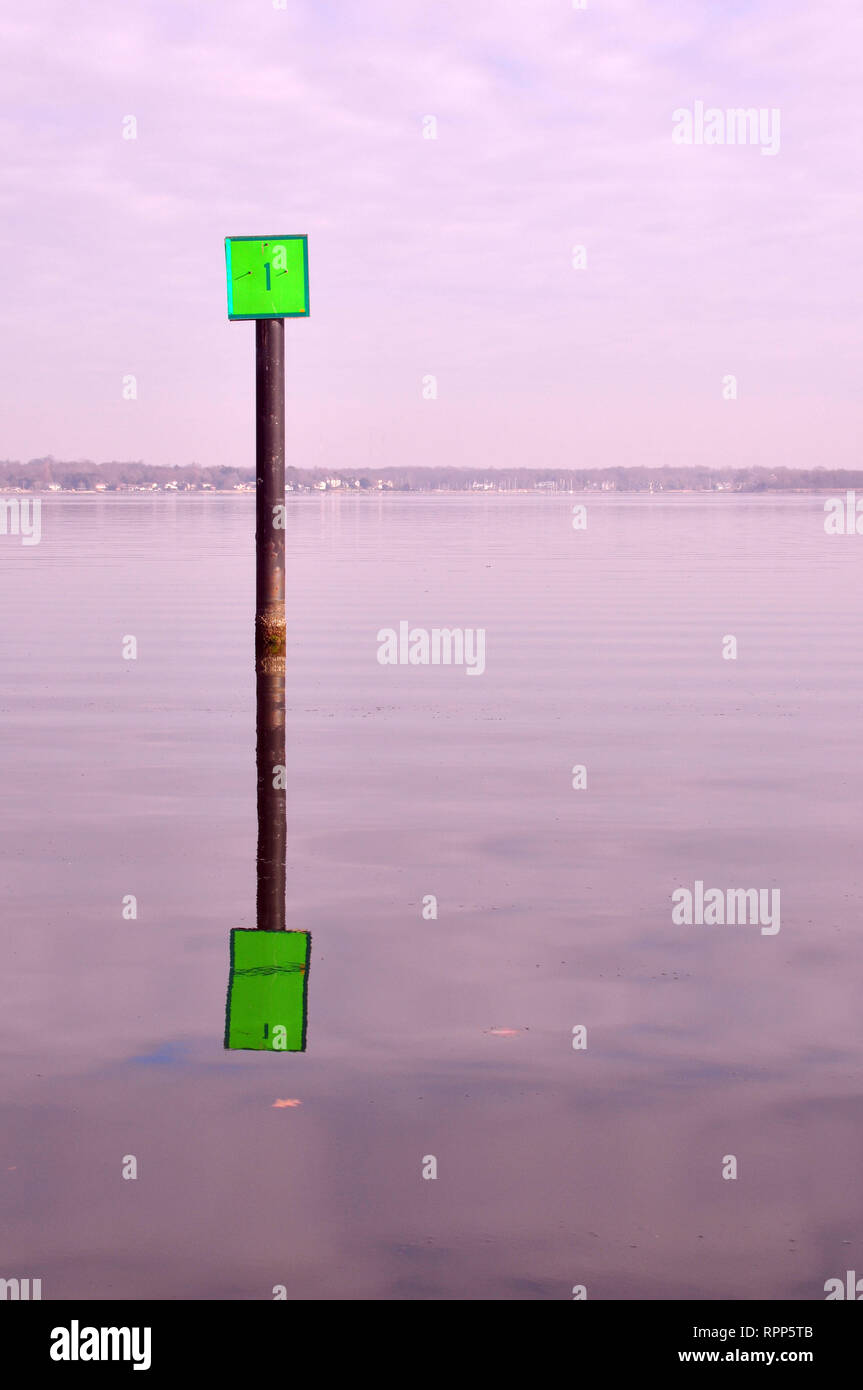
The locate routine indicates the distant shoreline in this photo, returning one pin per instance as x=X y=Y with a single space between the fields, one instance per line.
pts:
x=151 y=491
x=48 y=476
x=52 y=476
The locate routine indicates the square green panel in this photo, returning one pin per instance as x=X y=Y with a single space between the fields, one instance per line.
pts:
x=267 y=991
x=268 y=277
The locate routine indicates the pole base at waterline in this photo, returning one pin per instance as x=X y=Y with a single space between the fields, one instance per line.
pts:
x=267 y=991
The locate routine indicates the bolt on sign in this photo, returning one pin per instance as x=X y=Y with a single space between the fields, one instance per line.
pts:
x=268 y=277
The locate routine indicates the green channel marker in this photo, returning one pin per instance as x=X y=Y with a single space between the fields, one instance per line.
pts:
x=267 y=991
x=268 y=277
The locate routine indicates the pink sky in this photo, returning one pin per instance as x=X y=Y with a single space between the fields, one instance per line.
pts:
x=449 y=257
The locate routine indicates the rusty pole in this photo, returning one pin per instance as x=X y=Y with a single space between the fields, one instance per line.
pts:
x=270 y=620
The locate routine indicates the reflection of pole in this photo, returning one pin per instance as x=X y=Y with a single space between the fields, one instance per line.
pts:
x=272 y=825
x=270 y=619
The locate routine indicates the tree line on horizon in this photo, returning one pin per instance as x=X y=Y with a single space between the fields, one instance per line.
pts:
x=84 y=475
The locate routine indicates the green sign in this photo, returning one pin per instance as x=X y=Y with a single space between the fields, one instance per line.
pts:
x=268 y=277
x=267 y=991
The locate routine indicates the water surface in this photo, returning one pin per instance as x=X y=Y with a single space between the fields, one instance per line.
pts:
x=555 y=1167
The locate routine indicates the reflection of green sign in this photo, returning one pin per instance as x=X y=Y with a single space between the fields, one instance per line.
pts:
x=268 y=277
x=267 y=991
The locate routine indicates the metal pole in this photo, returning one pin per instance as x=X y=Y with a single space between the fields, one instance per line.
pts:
x=270 y=460
x=270 y=620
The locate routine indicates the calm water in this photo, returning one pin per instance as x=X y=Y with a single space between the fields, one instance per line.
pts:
x=555 y=1167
